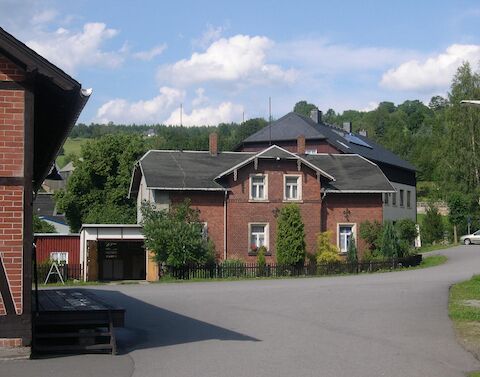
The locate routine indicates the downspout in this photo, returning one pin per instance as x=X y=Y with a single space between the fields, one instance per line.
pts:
x=225 y=226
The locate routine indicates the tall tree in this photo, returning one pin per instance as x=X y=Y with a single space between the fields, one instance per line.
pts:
x=304 y=108
x=98 y=188
x=290 y=236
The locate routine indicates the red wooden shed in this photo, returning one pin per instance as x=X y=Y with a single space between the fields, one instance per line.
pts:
x=59 y=247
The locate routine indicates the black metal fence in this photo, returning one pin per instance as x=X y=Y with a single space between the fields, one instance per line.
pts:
x=68 y=272
x=253 y=270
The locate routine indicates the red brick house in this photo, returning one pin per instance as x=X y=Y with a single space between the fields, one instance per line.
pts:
x=321 y=137
x=240 y=193
x=39 y=104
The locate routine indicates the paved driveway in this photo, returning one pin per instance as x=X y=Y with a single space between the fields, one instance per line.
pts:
x=392 y=324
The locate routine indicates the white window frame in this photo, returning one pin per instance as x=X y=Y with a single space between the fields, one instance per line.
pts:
x=205 y=230
x=265 y=187
x=54 y=256
x=311 y=151
x=386 y=199
x=354 y=233
x=299 y=187
x=266 y=233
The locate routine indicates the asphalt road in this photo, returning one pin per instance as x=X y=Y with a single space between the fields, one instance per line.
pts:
x=390 y=324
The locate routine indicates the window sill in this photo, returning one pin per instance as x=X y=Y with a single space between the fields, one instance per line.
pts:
x=254 y=254
x=292 y=200
x=258 y=201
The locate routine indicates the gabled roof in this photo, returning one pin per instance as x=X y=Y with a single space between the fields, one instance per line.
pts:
x=353 y=173
x=58 y=100
x=292 y=125
x=276 y=152
x=200 y=171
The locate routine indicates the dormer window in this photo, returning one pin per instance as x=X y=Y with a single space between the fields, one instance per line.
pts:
x=258 y=187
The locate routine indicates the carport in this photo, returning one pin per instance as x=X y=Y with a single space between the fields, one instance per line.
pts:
x=113 y=252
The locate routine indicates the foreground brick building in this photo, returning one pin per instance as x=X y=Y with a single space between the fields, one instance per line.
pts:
x=239 y=194
x=39 y=104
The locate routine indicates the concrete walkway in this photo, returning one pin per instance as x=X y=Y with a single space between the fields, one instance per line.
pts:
x=390 y=324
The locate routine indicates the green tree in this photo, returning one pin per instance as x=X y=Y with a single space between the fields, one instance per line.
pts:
x=432 y=225
x=98 y=188
x=304 y=108
x=371 y=233
x=352 y=256
x=41 y=226
x=290 y=241
x=390 y=247
x=175 y=236
x=458 y=204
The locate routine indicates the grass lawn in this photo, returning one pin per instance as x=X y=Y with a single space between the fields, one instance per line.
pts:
x=71 y=146
x=426 y=249
x=464 y=310
x=432 y=261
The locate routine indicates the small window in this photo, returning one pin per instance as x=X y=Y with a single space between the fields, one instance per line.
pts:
x=385 y=199
x=311 y=151
x=401 y=198
x=345 y=232
x=204 y=230
x=258 y=189
x=394 y=199
x=61 y=257
x=292 y=189
x=258 y=236
x=409 y=199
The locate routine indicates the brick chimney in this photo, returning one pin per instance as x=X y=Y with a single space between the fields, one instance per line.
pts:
x=316 y=115
x=213 y=144
x=301 y=144
x=347 y=127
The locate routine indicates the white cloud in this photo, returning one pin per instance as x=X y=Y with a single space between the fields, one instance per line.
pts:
x=146 y=111
x=200 y=98
x=44 y=16
x=320 y=56
x=225 y=112
x=71 y=50
x=208 y=36
x=370 y=107
x=241 y=59
x=433 y=73
x=150 y=54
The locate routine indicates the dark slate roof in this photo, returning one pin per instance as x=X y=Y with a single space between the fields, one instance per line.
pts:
x=44 y=207
x=191 y=170
x=187 y=170
x=292 y=125
x=288 y=127
x=352 y=173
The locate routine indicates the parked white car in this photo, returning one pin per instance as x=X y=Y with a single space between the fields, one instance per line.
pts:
x=471 y=238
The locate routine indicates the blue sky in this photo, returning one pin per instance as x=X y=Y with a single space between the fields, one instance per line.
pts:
x=224 y=59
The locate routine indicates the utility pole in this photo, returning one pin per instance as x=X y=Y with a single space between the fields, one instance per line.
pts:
x=181 y=113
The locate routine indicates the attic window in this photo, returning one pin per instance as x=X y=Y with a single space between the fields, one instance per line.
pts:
x=343 y=144
x=356 y=140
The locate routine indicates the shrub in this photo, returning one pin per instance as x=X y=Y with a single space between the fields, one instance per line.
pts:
x=233 y=268
x=390 y=246
x=371 y=233
x=406 y=230
x=261 y=261
x=290 y=237
x=432 y=229
x=352 y=251
x=327 y=253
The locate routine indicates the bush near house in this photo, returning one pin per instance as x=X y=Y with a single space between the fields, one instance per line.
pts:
x=175 y=236
x=371 y=233
x=432 y=227
x=326 y=251
x=290 y=237
x=41 y=226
